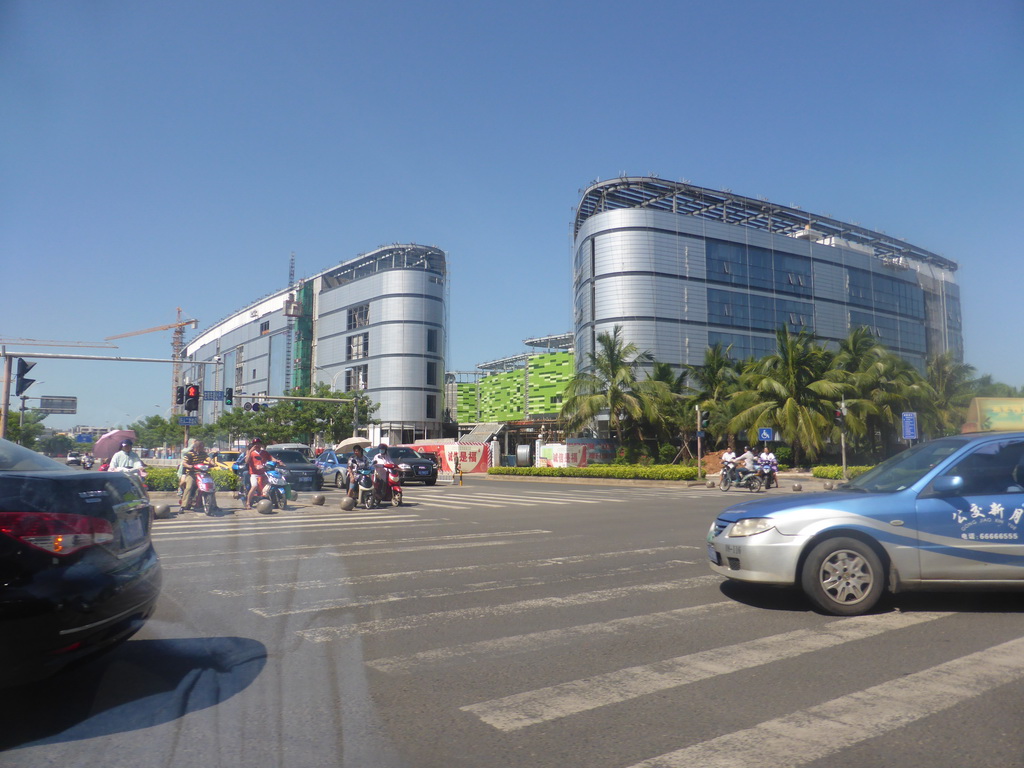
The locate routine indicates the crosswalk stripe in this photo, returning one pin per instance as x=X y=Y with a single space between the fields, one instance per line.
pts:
x=538 y=641
x=511 y=713
x=328 y=634
x=265 y=589
x=817 y=732
x=445 y=592
x=221 y=533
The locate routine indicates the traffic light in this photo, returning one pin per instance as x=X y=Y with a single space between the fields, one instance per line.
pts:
x=839 y=418
x=22 y=383
x=179 y=395
x=192 y=398
x=704 y=419
x=229 y=396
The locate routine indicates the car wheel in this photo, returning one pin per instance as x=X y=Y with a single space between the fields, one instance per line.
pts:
x=843 y=576
x=337 y=479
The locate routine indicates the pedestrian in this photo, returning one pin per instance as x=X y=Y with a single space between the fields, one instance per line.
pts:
x=256 y=458
x=196 y=454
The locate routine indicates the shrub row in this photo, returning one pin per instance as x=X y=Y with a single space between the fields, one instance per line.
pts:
x=166 y=479
x=835 y=472
x=616 y=471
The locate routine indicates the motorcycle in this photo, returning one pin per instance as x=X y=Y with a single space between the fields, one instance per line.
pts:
x=767 y=471
x=87 y=462
x=731 y=475
x=205 y=494
x=387 y=486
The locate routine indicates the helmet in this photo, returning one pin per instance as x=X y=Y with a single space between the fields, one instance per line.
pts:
x=382 y=447
x=126 y=443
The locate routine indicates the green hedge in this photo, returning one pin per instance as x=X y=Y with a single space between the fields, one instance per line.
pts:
x=835 y=472
x=616 y=471
x=166 y=479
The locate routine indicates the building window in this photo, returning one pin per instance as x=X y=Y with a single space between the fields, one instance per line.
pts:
x=431 y=406
x=358 y=346
x=431 y=373
x=431 y=340
x=264 y=327
x=356 y=377
x=359 y=317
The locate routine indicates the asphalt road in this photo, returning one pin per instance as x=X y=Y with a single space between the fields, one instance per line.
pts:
x=523 y=625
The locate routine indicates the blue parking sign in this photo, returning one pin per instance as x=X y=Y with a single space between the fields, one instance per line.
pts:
x=766 y=434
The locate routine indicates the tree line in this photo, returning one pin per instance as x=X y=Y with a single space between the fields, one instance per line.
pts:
x=796 y=390
x=283 y=422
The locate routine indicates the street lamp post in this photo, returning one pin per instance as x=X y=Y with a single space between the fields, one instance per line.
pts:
x=355 y=400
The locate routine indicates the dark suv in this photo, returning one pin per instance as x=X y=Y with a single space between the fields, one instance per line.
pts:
x=411 y=465
x=303 y=475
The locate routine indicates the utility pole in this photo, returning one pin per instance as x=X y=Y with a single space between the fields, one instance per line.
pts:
x=700 y=451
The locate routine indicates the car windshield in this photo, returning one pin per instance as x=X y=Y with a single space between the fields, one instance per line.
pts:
x=14 y=457
x=289 y=457
x=906 y=468
x=402 y=453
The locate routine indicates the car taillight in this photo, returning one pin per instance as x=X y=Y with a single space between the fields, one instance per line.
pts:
x=55 y=533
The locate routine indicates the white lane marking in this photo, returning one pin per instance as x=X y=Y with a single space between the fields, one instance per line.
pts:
x=815 y=733
x=547 y=562
x=246 y=533
x=539 y=498
x=511 y=713
x=552 y=638
x=471 y=589
x=327 y=634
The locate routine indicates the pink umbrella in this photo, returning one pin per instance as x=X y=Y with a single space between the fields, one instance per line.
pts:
x=110 y=443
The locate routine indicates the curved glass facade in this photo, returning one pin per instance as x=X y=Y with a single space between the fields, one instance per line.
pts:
x=376 y=324
x=681 y=268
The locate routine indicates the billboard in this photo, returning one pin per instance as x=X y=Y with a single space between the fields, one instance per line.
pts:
x=995 y=414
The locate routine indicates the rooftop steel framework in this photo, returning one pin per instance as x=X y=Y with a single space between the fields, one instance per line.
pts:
x=683 y=198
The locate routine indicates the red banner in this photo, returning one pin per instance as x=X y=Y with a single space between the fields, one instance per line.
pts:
x=467 y=457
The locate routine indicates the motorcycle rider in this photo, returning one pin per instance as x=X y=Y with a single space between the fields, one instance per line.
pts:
x=380 y=473
x=256 y=458
x=729 y=463
x=747 y=457
x=356 y=462
x=196 y=454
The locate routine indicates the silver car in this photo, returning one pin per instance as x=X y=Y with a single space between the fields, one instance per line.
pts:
x=944 y=514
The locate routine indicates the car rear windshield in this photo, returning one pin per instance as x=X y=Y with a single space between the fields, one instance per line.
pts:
x=289 y=457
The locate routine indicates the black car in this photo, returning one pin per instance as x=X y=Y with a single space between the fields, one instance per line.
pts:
x=303 y=475
x=78 y=572
x=411 y=465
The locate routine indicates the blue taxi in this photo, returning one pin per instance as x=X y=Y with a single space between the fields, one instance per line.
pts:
x=945 y=514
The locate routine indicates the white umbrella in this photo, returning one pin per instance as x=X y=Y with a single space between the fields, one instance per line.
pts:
x=351 y=442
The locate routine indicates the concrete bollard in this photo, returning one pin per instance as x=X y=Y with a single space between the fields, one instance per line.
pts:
x=797 y=487
x=319 y=499
x=264 y=507
x=347 y=503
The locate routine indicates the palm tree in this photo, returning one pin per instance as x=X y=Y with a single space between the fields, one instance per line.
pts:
x=951 y=383
x=710 y=386
x=793 y=389
x=611 y=385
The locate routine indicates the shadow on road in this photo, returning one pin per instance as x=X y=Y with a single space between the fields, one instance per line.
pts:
x=141 y=684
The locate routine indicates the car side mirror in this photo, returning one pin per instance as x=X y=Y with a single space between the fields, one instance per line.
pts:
x=947 y=485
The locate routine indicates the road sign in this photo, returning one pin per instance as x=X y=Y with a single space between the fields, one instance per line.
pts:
x=909 y=425
x=766 y=434
x=83 y=438
x=48 y=404
x=188 y=421
x=213 y=394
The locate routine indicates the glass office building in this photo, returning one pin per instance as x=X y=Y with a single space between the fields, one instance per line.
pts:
x=681 y=268
x=375 y=324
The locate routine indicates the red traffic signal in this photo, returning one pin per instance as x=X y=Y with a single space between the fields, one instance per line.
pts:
x=192 y=394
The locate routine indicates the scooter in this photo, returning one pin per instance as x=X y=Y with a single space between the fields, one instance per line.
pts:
x=732 y=475
x=87 y=462
x=276 y=488
x=387 y=486
x=364 y=489
x=206 y=491
x=767 y=471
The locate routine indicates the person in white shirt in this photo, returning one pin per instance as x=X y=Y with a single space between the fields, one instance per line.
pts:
x=125 y=459
x=747 y=458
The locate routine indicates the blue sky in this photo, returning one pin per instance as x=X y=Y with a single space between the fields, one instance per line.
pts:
x=157 y=155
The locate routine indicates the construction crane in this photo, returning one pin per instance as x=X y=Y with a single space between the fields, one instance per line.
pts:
x=177 y=345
